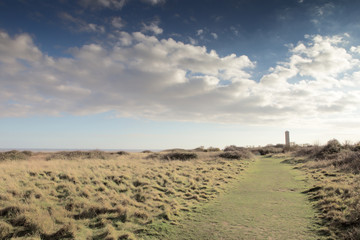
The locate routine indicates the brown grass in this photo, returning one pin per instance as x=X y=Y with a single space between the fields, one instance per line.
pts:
x=97 y=195
x=335 y=168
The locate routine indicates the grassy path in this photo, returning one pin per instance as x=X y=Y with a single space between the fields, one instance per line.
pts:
x=265 y=204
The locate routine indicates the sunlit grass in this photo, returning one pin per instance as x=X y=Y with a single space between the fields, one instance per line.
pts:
x=105 y=196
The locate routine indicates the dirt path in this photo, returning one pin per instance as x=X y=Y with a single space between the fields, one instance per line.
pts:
x=265 y=204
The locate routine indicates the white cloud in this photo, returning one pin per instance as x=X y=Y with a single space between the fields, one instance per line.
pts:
x=144 y=76
x=154 y=2
x=199 y=32
x=193 y=41
x=123 y=38
x=234 y=30
x=355 y=49
x=214 y=35
x=152 y=27
x=323 y=10
x=323 y=58
x=117 y=22
x=118 y=4
x=79 y=25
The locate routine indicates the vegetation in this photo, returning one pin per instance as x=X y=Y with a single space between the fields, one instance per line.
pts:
x=183 y=156
x=257 y=206
x=71 y=155
x=269 y=149
x=100 y=195
x=335 y=169
x=233 y=152
x=15 y=155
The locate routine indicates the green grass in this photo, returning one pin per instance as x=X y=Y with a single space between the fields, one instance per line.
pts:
x=266 y=203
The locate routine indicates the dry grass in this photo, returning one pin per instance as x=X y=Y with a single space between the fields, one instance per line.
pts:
x=335 y=168
x=110 y=196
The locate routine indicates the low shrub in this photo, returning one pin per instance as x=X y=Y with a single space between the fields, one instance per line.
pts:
x=209 y=149
x=122 y=153
x=15 y=155
x=348 y=161
x=183 y=156
x=213 y=149
x=269 y=150
x=307 y=151
x=329 y=150
x=233 y=148
x=239 y=154
x=356 y=147
x=71 y=155
x=153 y=156
x=200 y=149
x=146 y=151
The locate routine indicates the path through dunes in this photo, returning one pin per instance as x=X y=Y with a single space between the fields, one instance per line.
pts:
x=266 y=203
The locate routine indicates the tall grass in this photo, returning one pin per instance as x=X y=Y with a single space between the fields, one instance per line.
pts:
x=97 y=195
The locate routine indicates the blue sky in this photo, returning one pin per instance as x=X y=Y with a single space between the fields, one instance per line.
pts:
x=155 y=74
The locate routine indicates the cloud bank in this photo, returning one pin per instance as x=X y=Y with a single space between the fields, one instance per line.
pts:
x=144 y=76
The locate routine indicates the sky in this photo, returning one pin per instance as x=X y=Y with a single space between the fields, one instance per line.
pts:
x=157 y=74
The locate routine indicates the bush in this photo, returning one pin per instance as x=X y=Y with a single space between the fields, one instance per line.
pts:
x=233 y=148
x=210 y=149
x=15 y=155
x=213 y=149
x=122 y=153
x=269 y=150
x=200 y=149
x=329 y=150
x=239 y=154
x=356 y=147
x=146 y=151
x=153 y=156
x=307 y=151
x=348 y=161
x=71 y=155
x=183 y=156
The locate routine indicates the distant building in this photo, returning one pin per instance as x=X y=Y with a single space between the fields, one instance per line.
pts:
x=287 y=139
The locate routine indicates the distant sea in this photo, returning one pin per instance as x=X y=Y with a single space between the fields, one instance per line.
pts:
x=75 y=149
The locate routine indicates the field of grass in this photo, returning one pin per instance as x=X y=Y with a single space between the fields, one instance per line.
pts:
x=265 y=203
x=335 y=170
x=98 y=195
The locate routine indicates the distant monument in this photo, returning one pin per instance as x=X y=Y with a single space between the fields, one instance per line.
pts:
x=287 y=140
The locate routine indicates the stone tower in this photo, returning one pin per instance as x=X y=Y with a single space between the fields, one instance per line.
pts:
x=287 y=139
